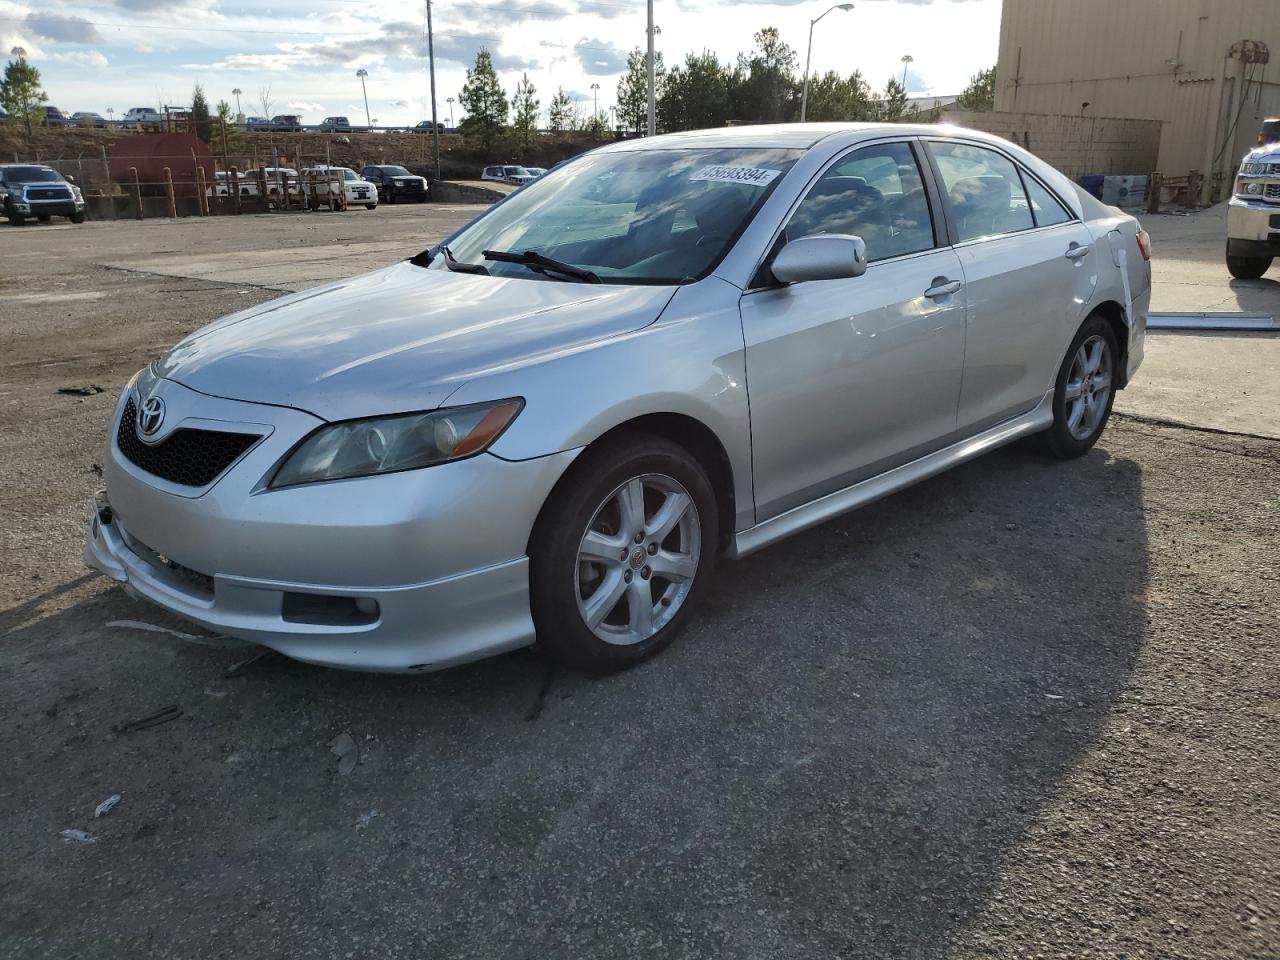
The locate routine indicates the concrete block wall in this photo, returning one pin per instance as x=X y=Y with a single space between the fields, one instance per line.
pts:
x=1077 y=146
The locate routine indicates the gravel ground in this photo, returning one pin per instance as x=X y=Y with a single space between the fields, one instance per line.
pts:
x=1026 y=709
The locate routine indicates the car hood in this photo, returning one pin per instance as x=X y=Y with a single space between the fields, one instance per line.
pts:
x=406 y=178
x=399 y=339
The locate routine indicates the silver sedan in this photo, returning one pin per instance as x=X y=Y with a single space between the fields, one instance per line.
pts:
x=550 y=426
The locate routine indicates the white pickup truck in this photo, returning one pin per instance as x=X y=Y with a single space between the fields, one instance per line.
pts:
x=144 y=115
x=1253 y=215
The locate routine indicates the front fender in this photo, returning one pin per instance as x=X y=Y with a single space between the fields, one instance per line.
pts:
x=689 y=362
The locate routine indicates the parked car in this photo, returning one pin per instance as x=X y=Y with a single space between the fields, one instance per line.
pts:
x=507 y=174
x=763 y=327
x=32 y=190
x=395 y=183
x=222 y=185
x=146 y=116
x=85 y=118
x=53 y=117
x=1253 y=214
x=257 y=124
x=424 y=126
x=287 y=123
x=335 y=125
x=331 y=183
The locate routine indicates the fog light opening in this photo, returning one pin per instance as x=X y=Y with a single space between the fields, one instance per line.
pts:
x=328 y=610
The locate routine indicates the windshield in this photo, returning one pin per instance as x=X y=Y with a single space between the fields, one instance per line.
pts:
x=516 y=171
x=396 y=172
x=637 y=216
x=32 y=175
x=349 y=175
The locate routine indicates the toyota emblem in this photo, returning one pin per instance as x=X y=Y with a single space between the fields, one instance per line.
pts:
x=151 y=417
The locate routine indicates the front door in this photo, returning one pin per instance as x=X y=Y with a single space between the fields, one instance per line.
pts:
x=848 y=378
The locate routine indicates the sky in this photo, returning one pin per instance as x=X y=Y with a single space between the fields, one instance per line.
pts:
x=100 y=54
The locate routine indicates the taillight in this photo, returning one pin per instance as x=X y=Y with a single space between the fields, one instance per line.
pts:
x=1144 y=244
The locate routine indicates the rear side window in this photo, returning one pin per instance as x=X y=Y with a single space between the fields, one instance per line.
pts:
x=984 y=189
x=875 y=193
x=1044 y=204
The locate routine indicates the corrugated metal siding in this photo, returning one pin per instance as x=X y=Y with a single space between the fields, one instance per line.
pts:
x=1111 y=54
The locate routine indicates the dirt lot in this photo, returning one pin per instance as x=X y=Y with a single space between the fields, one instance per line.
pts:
x=1026 y=709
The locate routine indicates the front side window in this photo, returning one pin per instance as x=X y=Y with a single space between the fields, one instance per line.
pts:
x=633 y=216
x=984 y=189
x=875 y=193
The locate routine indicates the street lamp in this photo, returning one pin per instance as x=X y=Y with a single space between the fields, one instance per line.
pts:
x=595 y=102
x=449 y=101
x=18 y=51
x=907 y=60
x=804 y=99
x=362 y=73
x=236 y=93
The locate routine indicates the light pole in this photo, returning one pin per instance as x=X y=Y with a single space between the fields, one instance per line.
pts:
x=650 y=107
x=907 y=60
x=362 y=73
x=595 y=103
x=804 y=98
x=236 y=93
x=449 y=101
x=431 y=61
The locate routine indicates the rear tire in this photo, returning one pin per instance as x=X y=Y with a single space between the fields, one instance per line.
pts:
x=1084 y=391
x=1247 y=268
x=44 y=217
x=634 y=518
x=371 y=206
x=16 y=219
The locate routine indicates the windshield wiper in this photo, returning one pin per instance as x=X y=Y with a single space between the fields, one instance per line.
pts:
x=457 y=266
x=542 y=264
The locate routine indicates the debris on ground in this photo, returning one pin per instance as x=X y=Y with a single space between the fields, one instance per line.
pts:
x=210 y=640
x=345 y=748
x=241 y=666
x=87 y=390
x=72 y=835
x=106 y=806
x=171 y=712
x=366 y=818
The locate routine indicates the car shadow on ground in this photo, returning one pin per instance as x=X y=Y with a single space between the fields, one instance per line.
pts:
x=834 y=760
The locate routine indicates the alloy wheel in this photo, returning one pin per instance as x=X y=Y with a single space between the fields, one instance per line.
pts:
x=637 y=559
x=1088 y=387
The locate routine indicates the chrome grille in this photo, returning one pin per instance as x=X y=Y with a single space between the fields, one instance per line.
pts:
x=1271 y=191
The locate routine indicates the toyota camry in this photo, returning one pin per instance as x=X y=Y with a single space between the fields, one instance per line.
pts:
x=550 y=426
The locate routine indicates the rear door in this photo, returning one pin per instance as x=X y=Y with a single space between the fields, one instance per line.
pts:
x=1029 y=268
x=848 y=378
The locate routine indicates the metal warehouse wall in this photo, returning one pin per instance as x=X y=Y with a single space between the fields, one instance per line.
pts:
x=1164 y=60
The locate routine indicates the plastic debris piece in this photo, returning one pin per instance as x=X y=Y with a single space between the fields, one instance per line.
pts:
x=86 y=390
x=106 y=806
x=366 y=818
x=207 y=641
x=241 y=666
x=72 y=835
x=345 y=748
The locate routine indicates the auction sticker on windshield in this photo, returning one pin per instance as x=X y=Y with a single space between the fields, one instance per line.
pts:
x=752 y=176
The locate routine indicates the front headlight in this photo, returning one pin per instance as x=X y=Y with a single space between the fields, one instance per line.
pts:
x=1248 y=188
x=362 y=448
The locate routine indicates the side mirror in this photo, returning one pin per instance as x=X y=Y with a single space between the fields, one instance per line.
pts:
x=71 y=179
x=827 y=256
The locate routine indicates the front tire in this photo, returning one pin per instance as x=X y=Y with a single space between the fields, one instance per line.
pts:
x=77 y=217
x=371 y=206
x=16 y=219
x=621 y=554
x=1247 y=268
x=1084 y=391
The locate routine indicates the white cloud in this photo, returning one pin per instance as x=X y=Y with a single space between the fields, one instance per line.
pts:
x=305 y=107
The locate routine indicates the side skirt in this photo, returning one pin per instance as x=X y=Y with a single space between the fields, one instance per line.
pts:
x=833 y=504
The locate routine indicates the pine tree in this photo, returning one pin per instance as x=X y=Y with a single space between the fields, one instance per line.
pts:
x=525 y=106
x=201 y=124
x=980 y=94
x=892 y=107
x=559 y=112
x=20 y=94
x=485 y=102
x=633 y=89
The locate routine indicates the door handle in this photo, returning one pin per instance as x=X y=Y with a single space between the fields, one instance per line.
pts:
x=942 y=287
x=1078 y=250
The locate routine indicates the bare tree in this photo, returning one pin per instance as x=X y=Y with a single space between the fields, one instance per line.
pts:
x=264 y=98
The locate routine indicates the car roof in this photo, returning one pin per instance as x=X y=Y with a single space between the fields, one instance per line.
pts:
x=799 y=136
